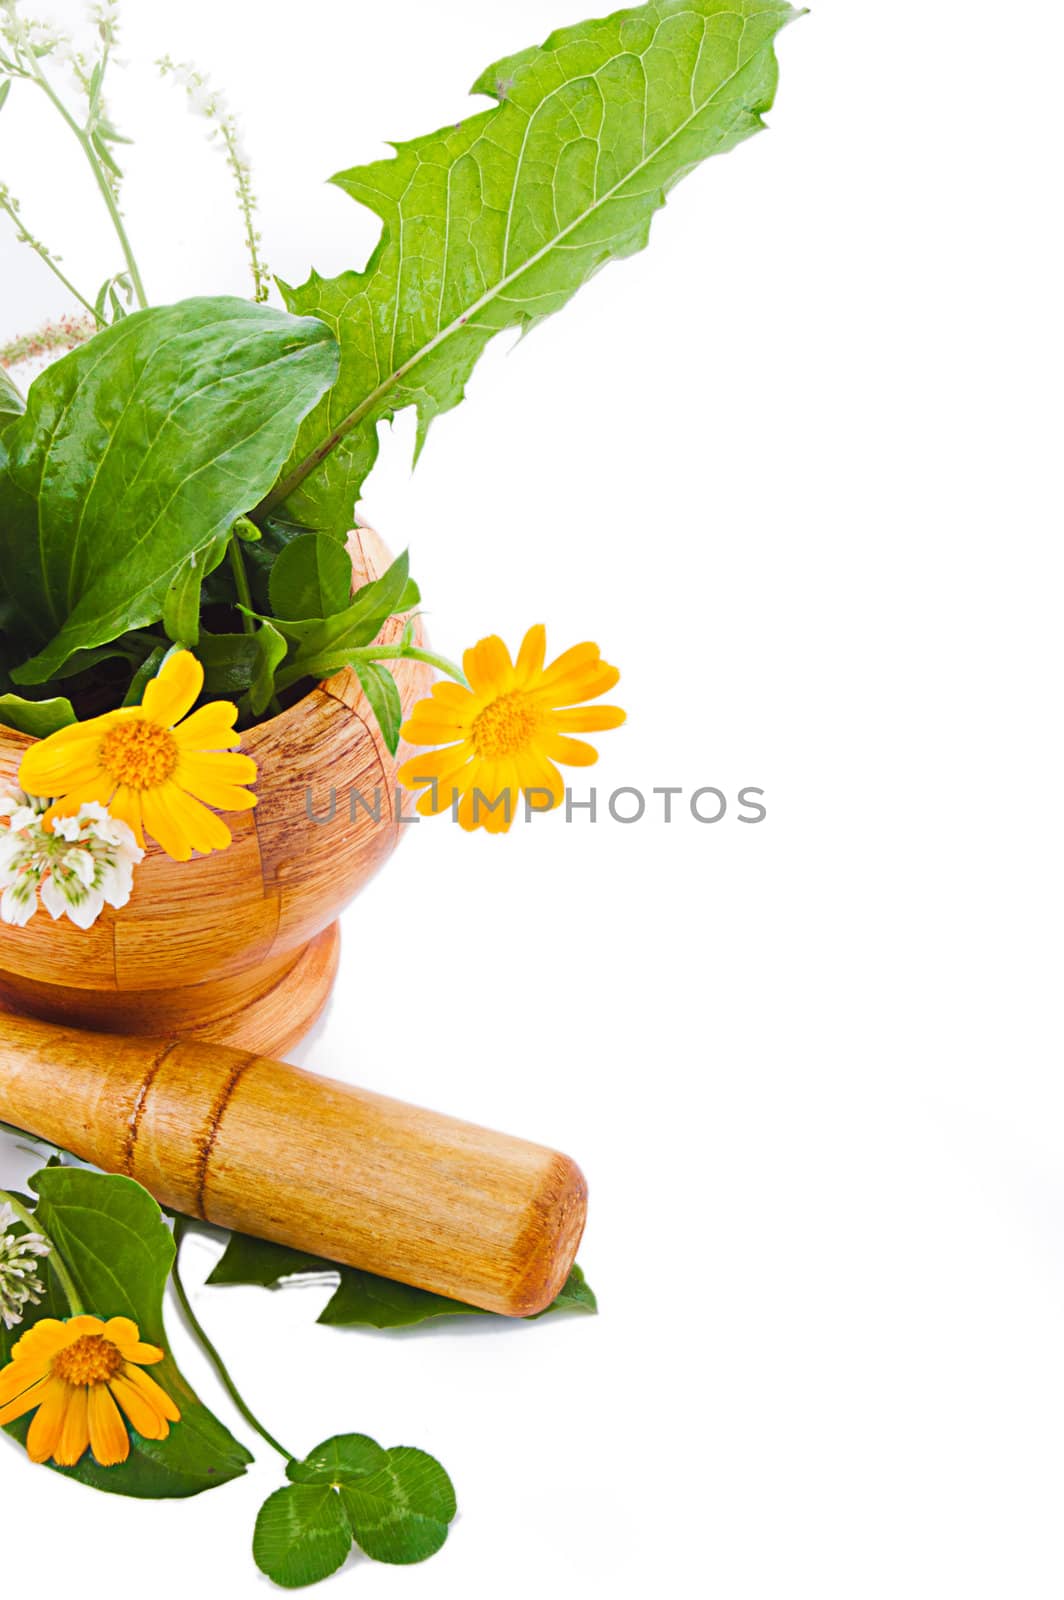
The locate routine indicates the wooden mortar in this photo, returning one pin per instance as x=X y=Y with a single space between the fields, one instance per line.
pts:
x=266 y=1148
x=240 y=946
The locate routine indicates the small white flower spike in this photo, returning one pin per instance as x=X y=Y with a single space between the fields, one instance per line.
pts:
x=19 y=1284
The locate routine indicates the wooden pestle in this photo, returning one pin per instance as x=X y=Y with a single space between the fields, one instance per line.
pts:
x=269 y=1149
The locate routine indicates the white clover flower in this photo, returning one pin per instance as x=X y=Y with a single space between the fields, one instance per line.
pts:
x=85 y=863
x=20 y=1285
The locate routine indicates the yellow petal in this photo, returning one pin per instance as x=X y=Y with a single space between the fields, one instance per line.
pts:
x=585 y=684
x=442 y=795
x=107 y=1433
x=152 y=1392
x=175 y=691
x=46 y=772
x=474 y=815
x=41 y=1342
x=531 y=655
x=570 y=752
x=75 y=1328
x=100 y=788
x=46 y=1428
x=438 y=764
x=149 y=1422
x=534 y=771
x=223 y=766
x=181 y=824
x=126 y=806
x=488 y=666
x=499 y=795
x=74 y=1435
x=194 y=780
x=588 y=719
x=18 y=1376
x=575 y=659
x=431 y=726
x=21 y=1403
x=455 y=697
x=209 y=728
x=123 y=1332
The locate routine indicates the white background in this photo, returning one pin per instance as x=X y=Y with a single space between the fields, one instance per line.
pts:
x=790 y=468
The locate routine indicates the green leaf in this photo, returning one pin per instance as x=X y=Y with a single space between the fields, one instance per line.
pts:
x=576 y=1295
x=134 y=649
x=346 y=1455
x=258 y=1261
x=139 y=449
x=259 y=558
x=363 y=1299
x=36 y=717
x=301 y=1535
x=11 y=401
x=183 y=599
x=310 y=578
x=111 y=1234
x=382 y=692
x=497 y=219
x=323 y=645
x=272 y=649
x=400 y=1513
x=147 y=670
x=229 y=663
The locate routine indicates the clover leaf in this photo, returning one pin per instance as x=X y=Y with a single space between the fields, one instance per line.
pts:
x=396 y=1505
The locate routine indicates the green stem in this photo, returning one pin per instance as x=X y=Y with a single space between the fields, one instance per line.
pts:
x=55 y=1260
x=240 y=578
x=411 y=652
x=373 y=652
x=180 y=1229
x=98 y=173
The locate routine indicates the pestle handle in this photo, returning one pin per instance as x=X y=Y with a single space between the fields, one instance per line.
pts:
x=269 y=1149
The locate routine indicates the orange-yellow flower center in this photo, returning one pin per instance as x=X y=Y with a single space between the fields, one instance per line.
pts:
x=505 y=725
x=138 y=753
x=90 y=1359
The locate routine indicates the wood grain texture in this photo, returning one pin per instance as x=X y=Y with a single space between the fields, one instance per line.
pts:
x=254 y=1144
x=210 y=939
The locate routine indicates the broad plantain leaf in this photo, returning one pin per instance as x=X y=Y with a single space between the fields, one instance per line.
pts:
x=497 y=219
x=310 y=578
x=36 y=717
x=11 y=401
x=139 y=449
x=111 y=1234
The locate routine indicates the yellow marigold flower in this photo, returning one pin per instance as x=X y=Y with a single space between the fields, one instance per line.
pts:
x=150 y=769
x=505 y=732
x=72 y=1373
